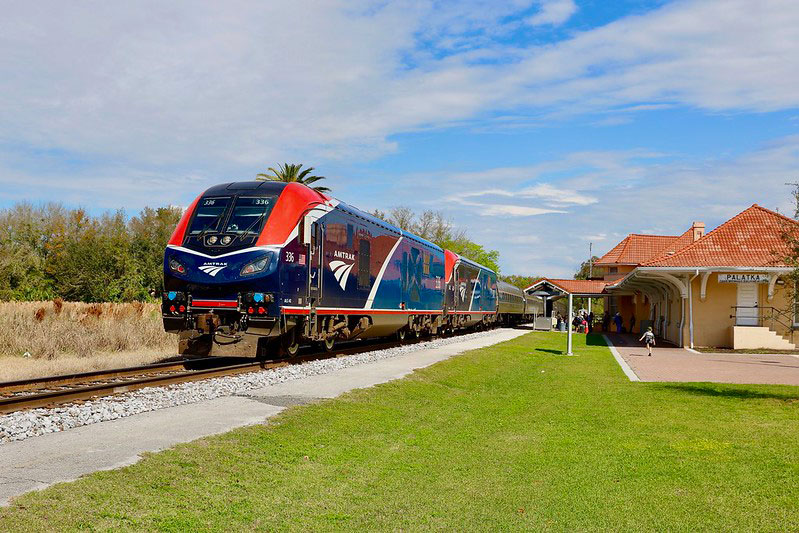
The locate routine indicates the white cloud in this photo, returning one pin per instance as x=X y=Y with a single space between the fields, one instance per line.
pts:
x=539 y=199
x=513 y=210
x=154 y=99
x=556 y=196
x=595 y=238
x=204 y=83
x=549 y=194
x=553 y=12
x=637 y=192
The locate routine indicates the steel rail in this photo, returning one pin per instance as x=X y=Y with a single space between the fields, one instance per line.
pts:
x=50 y=398
x=32 y=384
x=167 y=374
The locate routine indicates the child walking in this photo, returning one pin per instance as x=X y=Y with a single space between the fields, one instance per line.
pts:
x=649 y=338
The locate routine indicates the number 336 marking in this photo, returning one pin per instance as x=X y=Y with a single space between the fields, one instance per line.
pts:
x=289 y=257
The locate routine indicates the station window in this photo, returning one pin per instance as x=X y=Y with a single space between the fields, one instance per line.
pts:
x=364 y=259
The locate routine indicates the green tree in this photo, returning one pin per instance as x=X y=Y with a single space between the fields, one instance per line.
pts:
x=24 y=233
x=149 y=233
x=520 y=281
x=471 y=250
x=292 y=173
x=49 y=251
x=90 y=259
x=585 y=268
x=789 y=232
x=584 y=272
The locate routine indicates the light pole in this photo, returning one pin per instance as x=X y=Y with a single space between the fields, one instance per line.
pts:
x=590 y=269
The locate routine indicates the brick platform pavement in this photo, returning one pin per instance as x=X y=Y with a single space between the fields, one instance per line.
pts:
x=670 y=363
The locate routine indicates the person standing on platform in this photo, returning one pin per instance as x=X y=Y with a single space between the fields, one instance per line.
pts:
x=632 y=323
x=591 y=322
x=606 y=322
x=649 y=338
x=618 y=320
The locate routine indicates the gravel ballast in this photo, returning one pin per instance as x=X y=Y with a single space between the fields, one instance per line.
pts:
x=25 y=424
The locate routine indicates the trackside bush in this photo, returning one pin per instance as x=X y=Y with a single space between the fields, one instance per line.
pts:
x=50 y=252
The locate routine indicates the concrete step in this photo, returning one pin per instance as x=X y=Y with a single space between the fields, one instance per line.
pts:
x=782 y=342
x=759 y=337
x=787 y=339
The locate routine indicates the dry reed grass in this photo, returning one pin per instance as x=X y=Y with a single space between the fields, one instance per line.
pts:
x=79 y=337
x=14 y=368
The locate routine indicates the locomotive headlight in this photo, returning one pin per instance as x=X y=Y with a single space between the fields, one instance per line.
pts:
x=256 y=266
x=176 y=266
x=225 y=240
x=212 y=239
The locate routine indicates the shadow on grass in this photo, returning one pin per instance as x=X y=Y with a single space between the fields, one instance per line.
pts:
x=548 y=350
x=732 y=391
x=595 y=339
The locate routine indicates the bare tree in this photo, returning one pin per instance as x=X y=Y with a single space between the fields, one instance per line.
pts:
x=402 y=217
x=379 y=214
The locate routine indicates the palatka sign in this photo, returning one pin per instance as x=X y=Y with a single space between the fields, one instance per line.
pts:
x=744 y=278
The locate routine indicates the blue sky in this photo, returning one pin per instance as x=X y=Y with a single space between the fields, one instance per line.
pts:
x=537 y=125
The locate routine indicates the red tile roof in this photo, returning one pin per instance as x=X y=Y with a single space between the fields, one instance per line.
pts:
x=636 y=249
x=575 y=286
x=679 y=243
x=751 y=238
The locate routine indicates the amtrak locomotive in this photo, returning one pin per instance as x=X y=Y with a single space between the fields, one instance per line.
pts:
x=279 y=264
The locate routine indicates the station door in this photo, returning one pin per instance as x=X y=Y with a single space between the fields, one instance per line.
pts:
x=746 y=313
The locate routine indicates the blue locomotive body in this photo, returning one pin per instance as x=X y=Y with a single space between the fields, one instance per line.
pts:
x=279 y=265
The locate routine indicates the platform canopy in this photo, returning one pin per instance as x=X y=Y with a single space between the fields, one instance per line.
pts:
x=558 y=288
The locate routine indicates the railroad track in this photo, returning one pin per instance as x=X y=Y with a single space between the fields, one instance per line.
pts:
x=57 y=390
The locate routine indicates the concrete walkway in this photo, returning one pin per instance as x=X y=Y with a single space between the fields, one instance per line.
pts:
x=670 y=363
x=39 y=462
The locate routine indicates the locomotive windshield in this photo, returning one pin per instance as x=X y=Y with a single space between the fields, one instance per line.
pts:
x=249 y=215
x=208 y=215
x=224 y=224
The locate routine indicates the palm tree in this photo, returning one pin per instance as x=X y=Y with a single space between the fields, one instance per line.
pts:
x=291 y=174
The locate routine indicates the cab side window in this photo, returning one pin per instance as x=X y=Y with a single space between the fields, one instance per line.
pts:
x=364 y=260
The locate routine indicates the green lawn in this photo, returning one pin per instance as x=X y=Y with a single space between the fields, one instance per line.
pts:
x=515 y=436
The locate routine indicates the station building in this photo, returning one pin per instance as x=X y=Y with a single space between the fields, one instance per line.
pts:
x=724 y=288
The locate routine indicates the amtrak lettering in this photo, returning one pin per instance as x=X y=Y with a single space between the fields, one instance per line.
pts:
x=212 y=268
x=338 y=254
